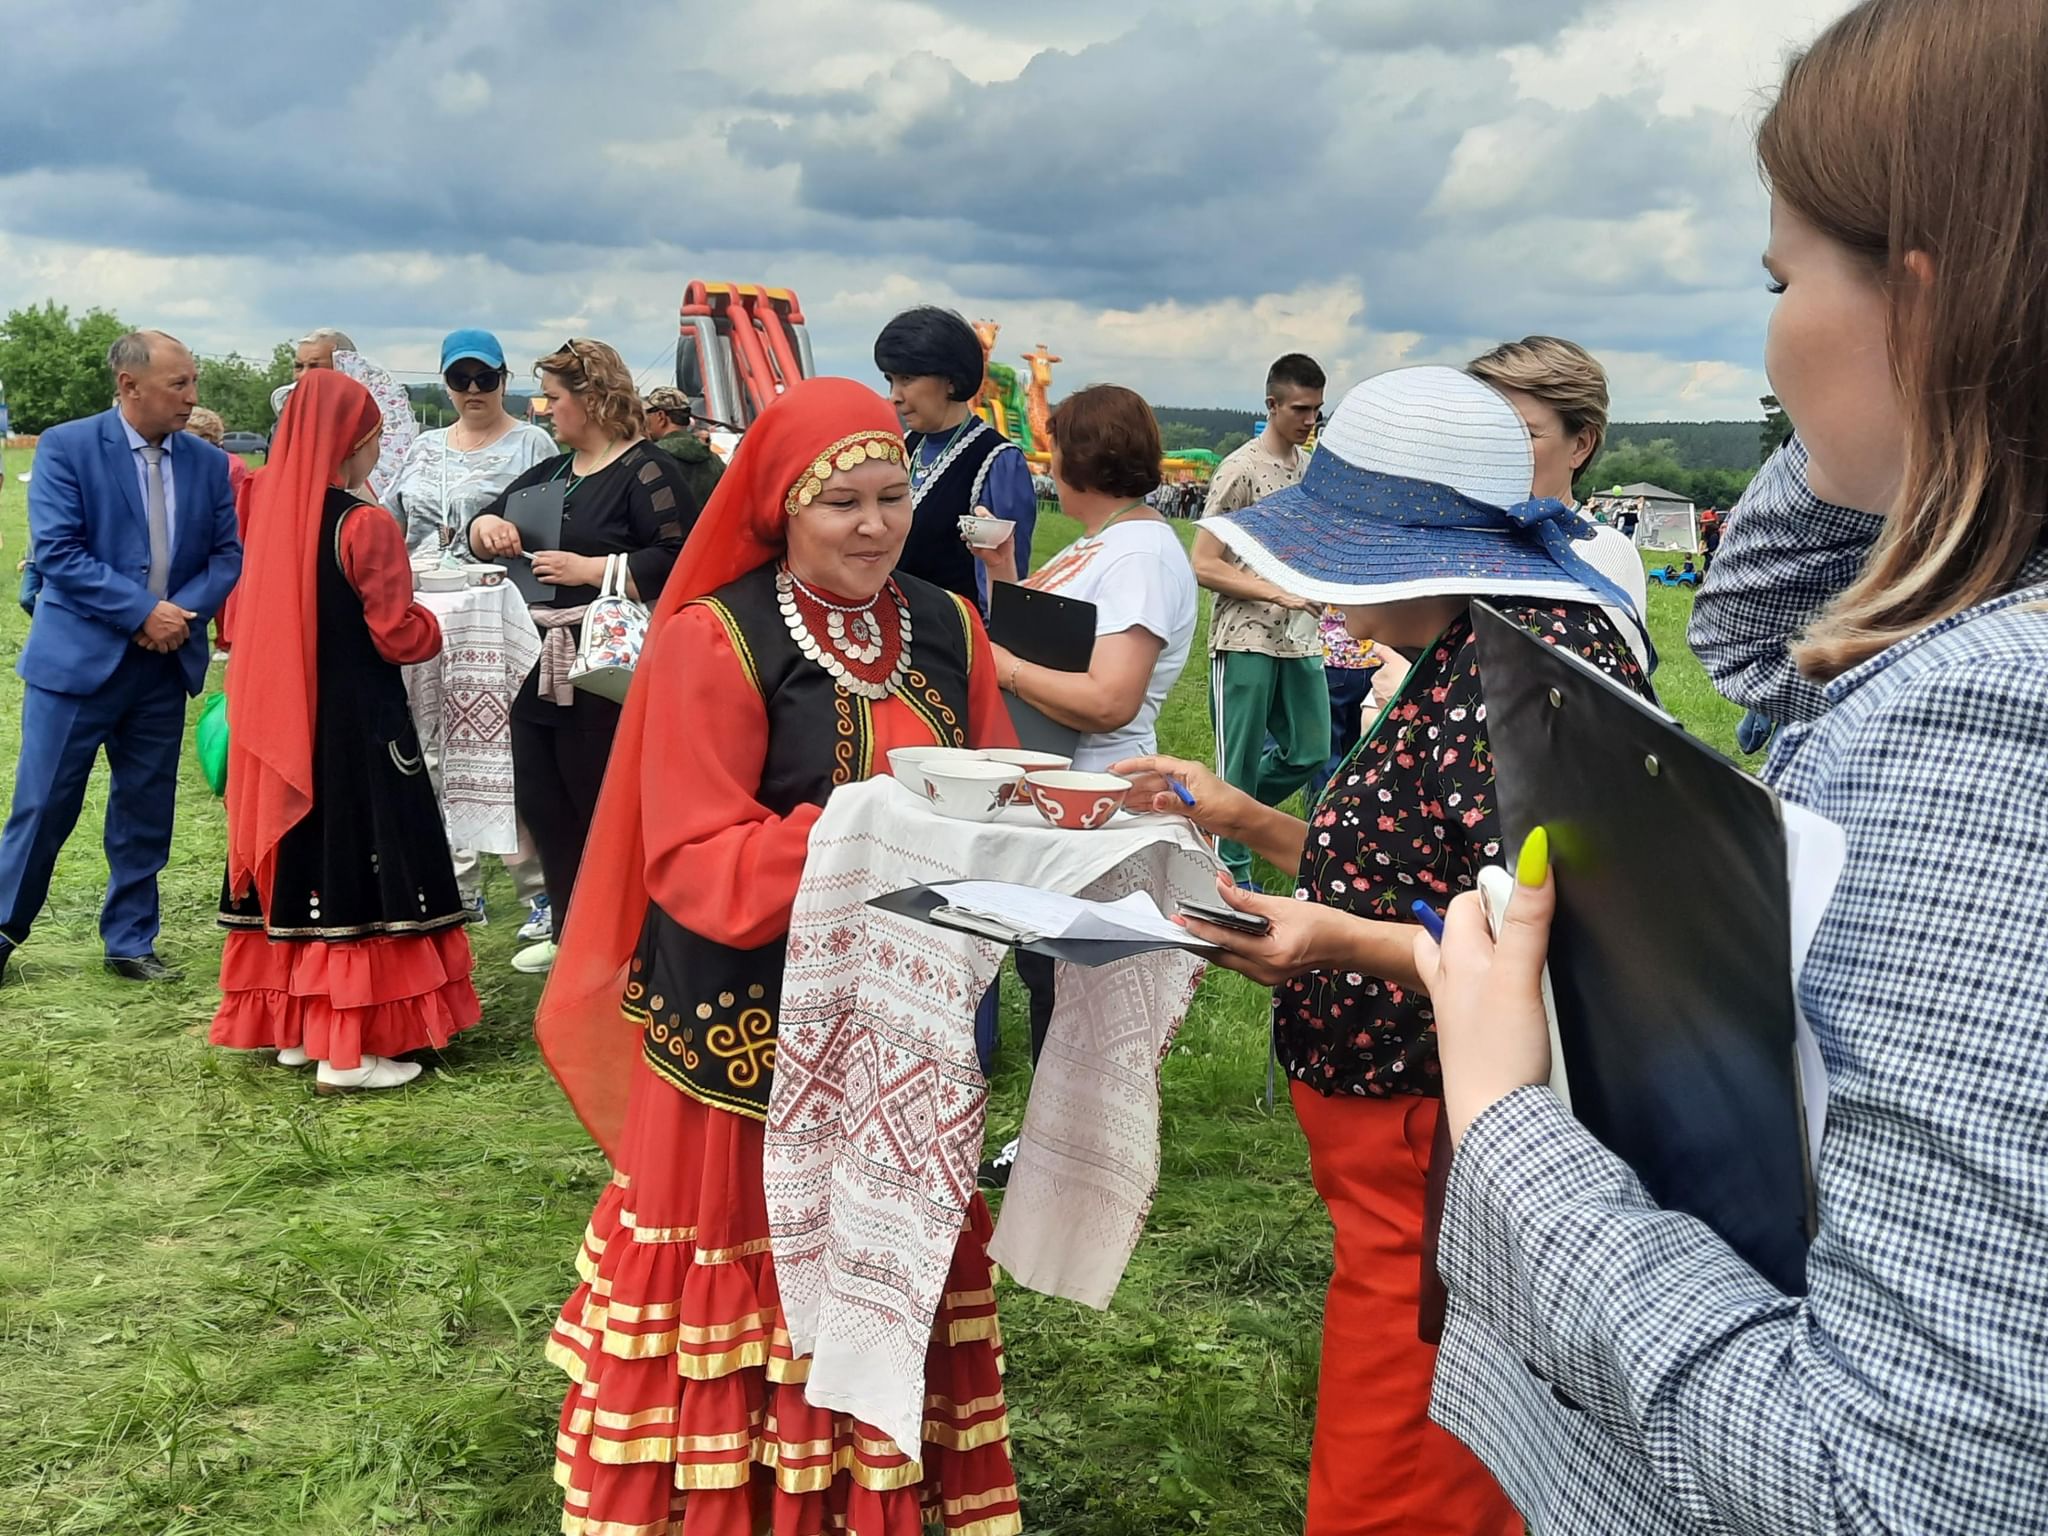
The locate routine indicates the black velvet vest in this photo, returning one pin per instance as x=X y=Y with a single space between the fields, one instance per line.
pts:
x=934 y=551
x=708 y=1011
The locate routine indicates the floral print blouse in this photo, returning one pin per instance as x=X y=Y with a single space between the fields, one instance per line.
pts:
x=1411 y=817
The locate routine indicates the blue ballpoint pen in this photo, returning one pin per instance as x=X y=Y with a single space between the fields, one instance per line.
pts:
x=1426 y=915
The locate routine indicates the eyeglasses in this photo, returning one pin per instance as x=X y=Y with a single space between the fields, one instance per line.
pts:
x=462 y=380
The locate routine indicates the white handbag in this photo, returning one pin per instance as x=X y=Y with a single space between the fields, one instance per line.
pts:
x=614 y=629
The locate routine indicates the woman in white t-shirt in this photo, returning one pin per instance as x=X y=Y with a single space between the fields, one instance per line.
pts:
x=1128 y=563
x=1559 y=390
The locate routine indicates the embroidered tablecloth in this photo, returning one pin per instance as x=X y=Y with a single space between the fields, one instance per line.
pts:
x=462 y=706
x=875 y=1125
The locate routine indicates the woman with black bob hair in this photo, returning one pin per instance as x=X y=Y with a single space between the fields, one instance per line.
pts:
x=959 y=464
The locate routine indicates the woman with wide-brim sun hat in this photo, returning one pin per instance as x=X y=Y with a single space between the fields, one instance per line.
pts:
x=1418 y=500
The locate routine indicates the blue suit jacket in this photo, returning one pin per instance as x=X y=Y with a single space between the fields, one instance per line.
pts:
x=90 y=534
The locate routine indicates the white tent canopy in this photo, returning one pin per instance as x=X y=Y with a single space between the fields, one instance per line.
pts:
x=1664 y=519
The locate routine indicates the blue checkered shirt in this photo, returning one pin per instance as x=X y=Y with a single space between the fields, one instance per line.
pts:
x=1620 y=1369
x=1784 y=554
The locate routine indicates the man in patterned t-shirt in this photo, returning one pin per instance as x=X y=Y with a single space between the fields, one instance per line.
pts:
x=1267 y=696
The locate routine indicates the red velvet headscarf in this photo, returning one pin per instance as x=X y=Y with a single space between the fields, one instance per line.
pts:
x=588 y=1044
x=273 y=676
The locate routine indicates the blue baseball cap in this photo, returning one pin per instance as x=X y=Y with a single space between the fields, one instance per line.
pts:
x=481 y=345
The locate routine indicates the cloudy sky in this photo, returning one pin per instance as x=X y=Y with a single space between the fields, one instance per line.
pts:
x=1168 y=194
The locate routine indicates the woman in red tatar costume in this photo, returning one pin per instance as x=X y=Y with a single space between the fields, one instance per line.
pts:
x=345 y=931
x=784 y=659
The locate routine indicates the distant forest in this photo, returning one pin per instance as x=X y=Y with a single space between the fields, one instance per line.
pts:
x=1709 y=461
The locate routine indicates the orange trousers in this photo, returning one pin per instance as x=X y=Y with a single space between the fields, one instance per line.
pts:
x=1379 y=1463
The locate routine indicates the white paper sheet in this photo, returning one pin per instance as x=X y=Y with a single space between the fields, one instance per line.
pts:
x=1815 y=851
x=1051 y=915
x=1496 y=890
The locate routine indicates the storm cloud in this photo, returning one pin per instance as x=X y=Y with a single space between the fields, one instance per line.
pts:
x=1166 y=195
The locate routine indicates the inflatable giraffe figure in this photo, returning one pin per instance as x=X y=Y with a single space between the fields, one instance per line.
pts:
x=985 y=331
x=1037 y=401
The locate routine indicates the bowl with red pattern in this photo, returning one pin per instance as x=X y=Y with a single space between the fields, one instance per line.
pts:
x=1083 y=802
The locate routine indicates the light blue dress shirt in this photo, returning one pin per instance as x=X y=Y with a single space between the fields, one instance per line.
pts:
x=136 y=443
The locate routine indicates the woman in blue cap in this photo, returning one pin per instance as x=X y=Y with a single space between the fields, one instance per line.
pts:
x=449 y=475
x=1419 y=499
x=453 y=473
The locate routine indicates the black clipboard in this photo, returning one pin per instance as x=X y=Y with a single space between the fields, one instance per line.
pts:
x=926 y=905
x=1671 y=956
x=536 y=511
x=1049 y=631
x=1042 y=628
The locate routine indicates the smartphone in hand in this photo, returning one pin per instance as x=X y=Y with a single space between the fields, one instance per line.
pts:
x=1226 y=917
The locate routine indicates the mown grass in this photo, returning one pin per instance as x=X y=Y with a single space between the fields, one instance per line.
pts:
x=228 y=1306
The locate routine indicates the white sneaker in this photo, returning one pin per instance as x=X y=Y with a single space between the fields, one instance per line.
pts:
x=539 y=924
x=375 y=1072
x=293 y=1056
x=535 y=959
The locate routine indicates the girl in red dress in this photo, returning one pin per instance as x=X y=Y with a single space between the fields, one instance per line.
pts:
x=784 y=659
x=345 y=930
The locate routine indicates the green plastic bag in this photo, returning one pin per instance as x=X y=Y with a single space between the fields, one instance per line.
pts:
x=210 y=738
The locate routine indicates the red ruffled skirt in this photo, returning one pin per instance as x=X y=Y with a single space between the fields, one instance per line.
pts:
x=687 y=1414
x=345 y=1001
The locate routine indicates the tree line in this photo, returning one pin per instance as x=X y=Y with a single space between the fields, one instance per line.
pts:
x=54 y=369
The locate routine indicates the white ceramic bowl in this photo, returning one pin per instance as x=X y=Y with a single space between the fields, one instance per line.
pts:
x=968 y=789
x=1083 y=801
x=903 y=761
x=440 y=581
x=484 y=575
x=1030 y=759
x=985 y=532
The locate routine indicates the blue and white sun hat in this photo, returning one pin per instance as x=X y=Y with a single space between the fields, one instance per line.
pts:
x=1419 y=487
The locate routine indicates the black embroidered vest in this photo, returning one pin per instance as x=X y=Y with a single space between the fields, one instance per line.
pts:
x=708 y=1011
x=934 y=551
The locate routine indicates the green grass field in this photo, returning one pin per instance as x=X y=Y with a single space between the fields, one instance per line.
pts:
x=227 y=1306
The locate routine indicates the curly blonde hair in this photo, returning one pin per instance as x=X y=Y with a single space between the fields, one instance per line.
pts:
x=602 y=383
x=207 y=424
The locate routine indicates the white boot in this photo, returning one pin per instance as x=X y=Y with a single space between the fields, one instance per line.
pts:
x=293 y=1056
x=375 y=1072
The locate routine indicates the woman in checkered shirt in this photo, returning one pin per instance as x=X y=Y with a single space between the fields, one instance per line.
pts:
x=1617 y=1366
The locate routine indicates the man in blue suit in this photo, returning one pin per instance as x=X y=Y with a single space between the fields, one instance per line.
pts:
x=133 y=527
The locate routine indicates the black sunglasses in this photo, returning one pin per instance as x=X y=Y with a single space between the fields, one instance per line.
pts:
x=462 y=380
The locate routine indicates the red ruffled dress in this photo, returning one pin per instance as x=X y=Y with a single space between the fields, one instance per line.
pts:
x=364 y=950
x=686 y=1416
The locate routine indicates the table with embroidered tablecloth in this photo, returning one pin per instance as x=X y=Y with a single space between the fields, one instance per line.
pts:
x=462 y=706
x=875 y=1124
